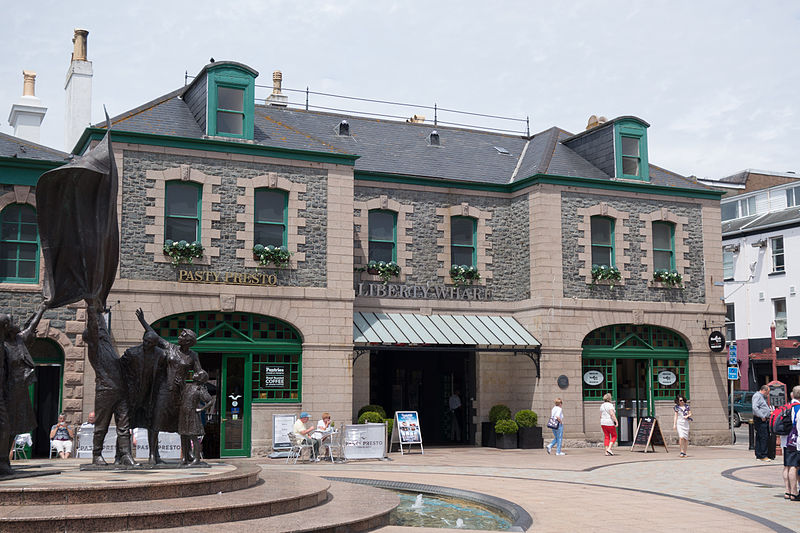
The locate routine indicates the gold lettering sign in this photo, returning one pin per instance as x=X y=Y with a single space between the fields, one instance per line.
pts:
x=227 y=278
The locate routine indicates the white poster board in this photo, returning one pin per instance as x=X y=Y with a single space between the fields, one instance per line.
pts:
x=407 y=430
x=365 y=441
x=169 y=444
x=282 y=425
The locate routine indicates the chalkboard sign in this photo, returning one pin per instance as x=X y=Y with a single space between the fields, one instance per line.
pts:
x=648 y=434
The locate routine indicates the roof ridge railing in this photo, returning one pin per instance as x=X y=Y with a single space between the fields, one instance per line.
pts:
x=435 y=108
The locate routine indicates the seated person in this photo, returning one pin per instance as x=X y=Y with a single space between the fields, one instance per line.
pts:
x=62 y=434
x=23 y=439
x=324 y=427
x=303 y=433
x=89 y=424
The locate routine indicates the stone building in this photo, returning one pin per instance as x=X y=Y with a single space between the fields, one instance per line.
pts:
x=559 y=236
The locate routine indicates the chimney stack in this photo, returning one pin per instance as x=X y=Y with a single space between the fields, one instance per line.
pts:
x=27 y=114
x=276 y=98
x=78 y=87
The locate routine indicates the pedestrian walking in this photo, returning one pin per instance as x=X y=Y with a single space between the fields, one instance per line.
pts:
x=556 y=423
x=608 y=422
x=761 y=422
x=791 y=458
x=683 y=415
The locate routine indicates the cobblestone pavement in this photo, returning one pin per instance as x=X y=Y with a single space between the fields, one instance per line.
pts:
x=723 y=488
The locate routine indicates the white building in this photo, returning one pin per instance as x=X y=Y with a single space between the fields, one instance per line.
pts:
x=761 y=258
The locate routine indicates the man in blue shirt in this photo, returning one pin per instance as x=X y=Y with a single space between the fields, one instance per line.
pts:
x=761 y=423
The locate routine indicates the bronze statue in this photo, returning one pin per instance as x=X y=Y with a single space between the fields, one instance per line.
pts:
x=17 y=372
x=142 y=368
x=168 y=386
x=110 y=389
x=190 y=426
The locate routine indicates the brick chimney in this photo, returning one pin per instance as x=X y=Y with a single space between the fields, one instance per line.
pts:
x=276 y=98
x=27 y=114
x=78 y=89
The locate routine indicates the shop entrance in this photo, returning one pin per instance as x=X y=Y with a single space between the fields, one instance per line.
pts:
x=427 y=382
x=633 y=396
x=45 y=393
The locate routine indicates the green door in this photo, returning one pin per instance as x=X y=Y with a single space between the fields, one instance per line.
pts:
x=235 y=406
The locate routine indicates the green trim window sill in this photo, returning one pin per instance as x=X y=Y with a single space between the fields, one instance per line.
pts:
x=263 y=401
x=222 y=137
x=605 y=282
x=777 y=273
x=20 y=286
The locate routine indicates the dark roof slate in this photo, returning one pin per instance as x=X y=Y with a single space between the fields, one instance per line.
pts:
x=11 y=146
x=393 y=147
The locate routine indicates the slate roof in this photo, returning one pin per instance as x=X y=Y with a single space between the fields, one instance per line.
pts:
x=396 y=147
x=11 y=146
x=756 y=223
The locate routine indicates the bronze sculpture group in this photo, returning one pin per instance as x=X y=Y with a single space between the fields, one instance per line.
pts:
x=148 y=385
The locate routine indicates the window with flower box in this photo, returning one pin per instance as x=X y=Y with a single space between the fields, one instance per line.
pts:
x=463 y=246
x=270 y=217
x=602 y=241
x=182 y=211
x=382 y=236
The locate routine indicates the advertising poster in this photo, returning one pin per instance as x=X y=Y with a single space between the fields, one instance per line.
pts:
x=274 y=377
x=169 y=444
x=408 y=427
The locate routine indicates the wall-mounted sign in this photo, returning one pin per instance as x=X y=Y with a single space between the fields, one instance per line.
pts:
x=562 y=381
x=227 y=278
x=422 y=292
x=716 y=341
x=275 y=377
x=733 y=373
x=593 y=378
x=667 y=378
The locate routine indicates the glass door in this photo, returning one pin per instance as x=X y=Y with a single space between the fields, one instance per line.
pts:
x=235 y=406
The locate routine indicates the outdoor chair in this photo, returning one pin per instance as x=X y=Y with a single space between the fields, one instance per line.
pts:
x=335 y=443
x=20 y=441
x=298 y=445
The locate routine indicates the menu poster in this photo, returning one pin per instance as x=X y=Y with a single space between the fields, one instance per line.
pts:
x=282 y=425
x=407 y=423
x=648 y=434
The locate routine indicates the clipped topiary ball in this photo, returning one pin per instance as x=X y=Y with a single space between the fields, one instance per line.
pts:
x=370 y=417
x=374 y=408
x=526 y=418
x=499 y=412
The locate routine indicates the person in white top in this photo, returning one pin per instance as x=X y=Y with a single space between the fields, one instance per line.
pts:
x=557 y=413
x=791 y=457
x=608 y=422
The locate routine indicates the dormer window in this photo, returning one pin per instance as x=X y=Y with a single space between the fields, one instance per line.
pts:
x=344 y=128
x=433 y=138
x=630 y=143
x=230 y=110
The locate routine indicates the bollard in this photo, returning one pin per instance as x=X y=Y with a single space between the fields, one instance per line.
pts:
x=751 y=432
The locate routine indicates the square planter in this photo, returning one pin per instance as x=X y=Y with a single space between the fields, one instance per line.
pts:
x=530 y=438
x=488 y=436
x=507 y=441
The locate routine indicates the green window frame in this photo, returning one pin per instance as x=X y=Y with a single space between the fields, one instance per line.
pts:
x=270 y=222
x=602 y=235
x=630 y=143
x=663 y=246
x=182 y=213
x=608 y=368
x=265 y=340
x=463 y=241
x=680 y=368
x=382 y=235
x=781 y=323
x=19 y=244
x=225 y=85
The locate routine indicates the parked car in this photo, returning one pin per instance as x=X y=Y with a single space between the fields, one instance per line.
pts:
x=742 y=407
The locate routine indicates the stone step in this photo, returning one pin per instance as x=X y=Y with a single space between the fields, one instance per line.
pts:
x=275 y=494
x=137 y=486
x=349 y=508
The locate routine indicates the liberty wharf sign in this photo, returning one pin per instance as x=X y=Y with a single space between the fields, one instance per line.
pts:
x=424 y=292
x=227 y=278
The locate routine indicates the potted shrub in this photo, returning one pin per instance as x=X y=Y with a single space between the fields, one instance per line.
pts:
x=277 y=255
x=529 y=435
x=374 y=408
x=670 y=279
x=497 y=412
x=506 y=431
x=383 y=269
x=182 y=251
x=605 y=274
x=370 y=417
x=464 y=275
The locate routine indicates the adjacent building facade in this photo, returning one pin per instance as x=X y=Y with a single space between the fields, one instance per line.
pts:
x=761 y=251
x=339 y=260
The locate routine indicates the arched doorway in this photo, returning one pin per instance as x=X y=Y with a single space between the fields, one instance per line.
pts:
x=250 y=358
x=639 y=365
x=46 y=392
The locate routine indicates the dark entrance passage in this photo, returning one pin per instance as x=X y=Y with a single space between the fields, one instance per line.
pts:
x=45 y=392
x=427 y=382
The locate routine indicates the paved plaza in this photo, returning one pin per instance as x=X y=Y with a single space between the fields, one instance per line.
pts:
x=714 y=489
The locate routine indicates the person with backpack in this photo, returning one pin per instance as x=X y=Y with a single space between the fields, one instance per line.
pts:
x=791 y=457
x=761 y=413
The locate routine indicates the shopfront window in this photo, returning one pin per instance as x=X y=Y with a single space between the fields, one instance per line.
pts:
x=276 y=377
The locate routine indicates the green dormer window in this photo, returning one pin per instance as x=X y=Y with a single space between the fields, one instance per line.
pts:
x=630 y=143
x=231 y=103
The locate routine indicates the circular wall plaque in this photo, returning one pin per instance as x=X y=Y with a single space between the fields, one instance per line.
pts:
x=667 y=378
x=563 y=381
x=593 y=378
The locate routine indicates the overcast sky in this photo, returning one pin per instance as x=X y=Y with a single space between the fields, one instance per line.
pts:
x=719 y=81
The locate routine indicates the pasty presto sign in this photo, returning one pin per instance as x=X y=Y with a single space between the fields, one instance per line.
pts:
x=593 y=378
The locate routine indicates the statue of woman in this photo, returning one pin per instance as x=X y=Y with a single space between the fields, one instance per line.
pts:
x=18 y=372
x=169 y=384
